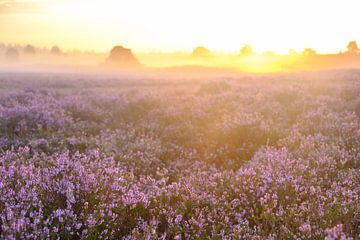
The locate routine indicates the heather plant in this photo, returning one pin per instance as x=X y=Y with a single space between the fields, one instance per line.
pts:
x=262 y=157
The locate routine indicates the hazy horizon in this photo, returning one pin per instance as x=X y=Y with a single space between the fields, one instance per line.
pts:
x=247 y=36
x=245 y=60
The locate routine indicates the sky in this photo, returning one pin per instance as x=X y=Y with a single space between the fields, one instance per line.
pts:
x=180 y=25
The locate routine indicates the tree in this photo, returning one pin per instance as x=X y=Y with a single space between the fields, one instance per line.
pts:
x=121 y=57
x=246 y=50
x=201 y=52
x=309 y=52
x=29 y=49
x=55 y=50
x=352 y=47
x=12 y=54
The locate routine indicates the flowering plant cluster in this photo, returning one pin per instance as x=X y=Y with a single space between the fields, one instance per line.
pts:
x=259 y=158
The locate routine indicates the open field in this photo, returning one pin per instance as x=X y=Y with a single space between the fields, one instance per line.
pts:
x=234 y=157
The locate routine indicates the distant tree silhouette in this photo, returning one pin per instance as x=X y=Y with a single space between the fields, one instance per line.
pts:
x=29 y=49
x=55 y=50
x=309 y=52
x=352 y=47
x=12 y=54
x=121 y=57
x=246 y=50
x=201 y=52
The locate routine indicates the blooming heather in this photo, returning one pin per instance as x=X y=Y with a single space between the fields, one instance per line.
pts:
x=273 y=157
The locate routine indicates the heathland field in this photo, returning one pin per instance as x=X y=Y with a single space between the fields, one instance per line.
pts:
x=237 y=157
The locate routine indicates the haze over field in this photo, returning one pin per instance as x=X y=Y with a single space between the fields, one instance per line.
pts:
x=248 y=36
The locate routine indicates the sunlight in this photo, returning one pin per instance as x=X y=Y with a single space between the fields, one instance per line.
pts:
x=179 y=119
x=179 y=25
x=173 y=27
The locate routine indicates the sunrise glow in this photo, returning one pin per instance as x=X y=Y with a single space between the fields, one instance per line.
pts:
x=162 y=25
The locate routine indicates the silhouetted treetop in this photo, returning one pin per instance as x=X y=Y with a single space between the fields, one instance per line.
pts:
x=121 y=57
x=12 y=54
x=55 y=50
x=309 y=52
x=246 y=50
x=201 y=52
x=29 y=49
x=352 y=47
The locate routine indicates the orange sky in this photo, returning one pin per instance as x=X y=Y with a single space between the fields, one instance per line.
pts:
x=172 y=25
